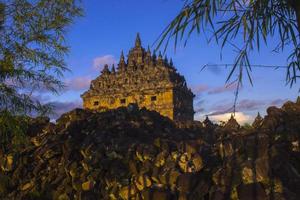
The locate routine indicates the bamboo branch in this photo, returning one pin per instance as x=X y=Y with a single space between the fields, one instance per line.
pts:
x=297 y=10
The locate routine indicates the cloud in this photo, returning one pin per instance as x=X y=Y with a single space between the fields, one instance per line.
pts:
x=277 y=102
x=222 y=89
x=199 y=106
x=215 y=70
x=78 y=83
x=63 y=107
x=242 y=106
x=240 y=117
x=249 y=105
x=222 y=112
x=199 y=110
x=59 y=107
x=199 y=88
x=221 y=108
x=99 y=62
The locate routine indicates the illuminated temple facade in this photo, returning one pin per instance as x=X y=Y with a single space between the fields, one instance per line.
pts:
x=145 y=79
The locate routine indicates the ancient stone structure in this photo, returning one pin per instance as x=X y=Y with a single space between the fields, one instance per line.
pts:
x=149 y=81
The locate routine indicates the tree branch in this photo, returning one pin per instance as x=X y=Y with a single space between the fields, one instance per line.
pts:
x=297 y=10
x=295 y=5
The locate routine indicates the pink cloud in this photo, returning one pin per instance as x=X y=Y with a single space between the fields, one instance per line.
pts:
x=199 y=88
x=78 y=83
x=99 y=62
x=244 y=105
x=222 y=89
x=278 y=102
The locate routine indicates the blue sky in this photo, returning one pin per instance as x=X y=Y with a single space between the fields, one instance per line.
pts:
x=111 y=26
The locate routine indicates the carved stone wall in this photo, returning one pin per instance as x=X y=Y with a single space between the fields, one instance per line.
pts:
x=145 y=79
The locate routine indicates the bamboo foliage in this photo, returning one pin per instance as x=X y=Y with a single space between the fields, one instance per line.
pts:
x=256 y=22
x=32 y=52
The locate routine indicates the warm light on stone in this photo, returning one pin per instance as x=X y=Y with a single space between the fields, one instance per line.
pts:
x=146 y=80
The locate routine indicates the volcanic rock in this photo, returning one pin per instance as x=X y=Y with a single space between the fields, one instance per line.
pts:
x=132 y=153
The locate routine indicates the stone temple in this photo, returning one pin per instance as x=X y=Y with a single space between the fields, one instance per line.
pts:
x=144 y=79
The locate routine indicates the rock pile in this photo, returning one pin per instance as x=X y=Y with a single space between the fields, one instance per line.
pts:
x=132 y=153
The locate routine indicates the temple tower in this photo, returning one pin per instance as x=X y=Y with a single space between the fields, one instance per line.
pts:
x=148 y=80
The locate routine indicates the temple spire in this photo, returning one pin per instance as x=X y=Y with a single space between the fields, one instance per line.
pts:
x=207 y=123
x=105 y=69
x=113 y=70
x=138 y=42
x=160 y=55
x=122 y=63
x=258 y=115
x=148 y=51
x=153 y=58
x=122 y=58
x=148 y=57
x=171 y=62
x=232 y=123
x=258 y=121
x=160 y=59
x=166 y=60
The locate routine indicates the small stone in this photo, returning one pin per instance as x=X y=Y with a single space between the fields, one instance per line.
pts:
x=63 y=197
x=163 y=177
x=139 y=156
x=127 y=192
x=142 y=182
x=183 y=166
x=157 y=142
x=9 y=162
x=27 y=186
x=73 y=173
x=85 y=166
x=295 y=146
x=160 y=159
x=112 y=196
x=88 y=185
x=77 y=186
x=35 y=141
x=278 y=187
x=183 y=163
x=247 y=175
x=197 y=162
x=155 y=174
x=173 y=176
x=175 y=155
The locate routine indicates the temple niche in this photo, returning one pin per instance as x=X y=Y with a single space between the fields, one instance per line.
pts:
x=145 y=79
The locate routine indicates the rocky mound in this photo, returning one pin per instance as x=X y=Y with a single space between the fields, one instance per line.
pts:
x=137 y=154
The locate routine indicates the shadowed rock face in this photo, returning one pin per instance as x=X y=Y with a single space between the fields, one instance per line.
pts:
x=132 y=153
